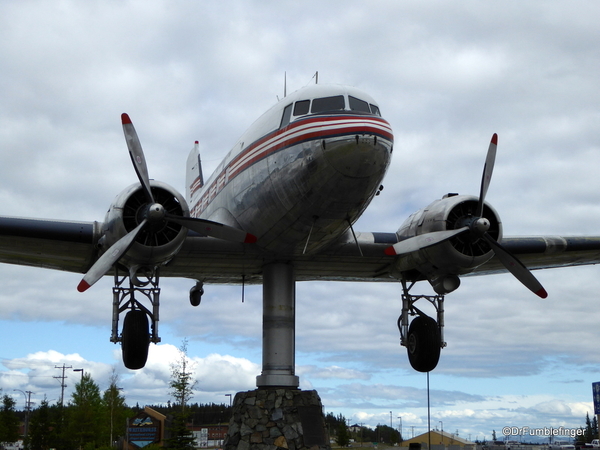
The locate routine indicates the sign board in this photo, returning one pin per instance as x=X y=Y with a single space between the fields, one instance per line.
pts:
x=596 y=393
x=143 y=430
x=201 y=438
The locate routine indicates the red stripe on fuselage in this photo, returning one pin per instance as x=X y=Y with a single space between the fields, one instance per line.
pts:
x=315 y=127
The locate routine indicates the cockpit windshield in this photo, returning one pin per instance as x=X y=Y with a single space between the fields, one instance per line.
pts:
x=326 y=104
x=301 y=108
x=359 y=105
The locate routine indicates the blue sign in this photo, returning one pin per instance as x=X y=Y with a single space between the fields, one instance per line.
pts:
x=143 y=430
x=596 y=393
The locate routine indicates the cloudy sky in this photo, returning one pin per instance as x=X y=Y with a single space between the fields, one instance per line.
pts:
x=447 y=75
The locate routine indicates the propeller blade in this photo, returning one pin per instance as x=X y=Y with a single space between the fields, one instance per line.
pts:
x=213 y=229
x=517 y=268
x=422 y=241
x=109 y=258
x=137 y=155
x=488 y=168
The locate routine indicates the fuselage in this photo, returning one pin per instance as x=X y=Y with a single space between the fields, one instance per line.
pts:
x=303 y=172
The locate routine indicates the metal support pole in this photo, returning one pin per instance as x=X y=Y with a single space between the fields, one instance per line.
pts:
x=279 y=327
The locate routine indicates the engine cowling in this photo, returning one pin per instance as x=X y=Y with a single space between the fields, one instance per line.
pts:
x=159 y=241
x=443 y=262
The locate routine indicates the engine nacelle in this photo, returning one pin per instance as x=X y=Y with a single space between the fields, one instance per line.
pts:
x=441 y=263
x=159 y=241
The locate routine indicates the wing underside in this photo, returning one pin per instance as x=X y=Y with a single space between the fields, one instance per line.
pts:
x=52 y=244
x=212 y=261
x=72 y=246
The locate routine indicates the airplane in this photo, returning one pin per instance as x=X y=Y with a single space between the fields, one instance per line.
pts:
x=281 y=208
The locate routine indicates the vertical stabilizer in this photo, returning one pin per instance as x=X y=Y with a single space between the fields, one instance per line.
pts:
x=193 y=177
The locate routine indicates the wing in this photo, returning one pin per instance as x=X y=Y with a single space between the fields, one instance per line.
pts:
x=53 y=244
x=215 y=261
x=545 y=252
x=71 y=246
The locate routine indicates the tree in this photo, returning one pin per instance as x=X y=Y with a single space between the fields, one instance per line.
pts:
x=343 y=437
x=182 y=386
x=85 y=409
x=42 y=429
x=9 y=422
x=115 y=409
x=385 y=433
x=591 y=429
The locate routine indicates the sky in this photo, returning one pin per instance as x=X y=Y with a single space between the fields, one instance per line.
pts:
x=447 y=75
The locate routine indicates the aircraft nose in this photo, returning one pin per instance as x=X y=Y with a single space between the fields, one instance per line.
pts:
x=357 y=155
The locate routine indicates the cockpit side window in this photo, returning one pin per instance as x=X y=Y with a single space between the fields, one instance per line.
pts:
x=287 y=114
x=328 y=104
x=375 y=110
x=301 y=107
x=358 y=105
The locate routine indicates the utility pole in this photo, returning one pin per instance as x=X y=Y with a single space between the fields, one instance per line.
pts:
x=401 y=437
x=62 y=382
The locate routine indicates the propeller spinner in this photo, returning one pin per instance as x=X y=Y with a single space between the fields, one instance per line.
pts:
x=155 y=213
x=478 y=226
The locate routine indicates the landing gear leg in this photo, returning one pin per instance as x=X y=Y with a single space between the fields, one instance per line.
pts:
x=137 y=333
x=424 y=338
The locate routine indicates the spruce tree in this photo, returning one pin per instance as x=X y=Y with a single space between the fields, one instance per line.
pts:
x=85 y=409
x=343 y=437
x=42 y=429
x=182 y=385
x=9 y=422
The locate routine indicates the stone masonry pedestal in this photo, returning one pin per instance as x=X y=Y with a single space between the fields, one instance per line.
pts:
x=277 y=418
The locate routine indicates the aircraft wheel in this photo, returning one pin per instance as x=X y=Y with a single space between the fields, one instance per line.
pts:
x=423 y=344
x=135 y=339
x=195 y=297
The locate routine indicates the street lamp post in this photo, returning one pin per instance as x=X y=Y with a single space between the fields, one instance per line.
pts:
x=27 y=395
x=229 y=395
x=79 y=370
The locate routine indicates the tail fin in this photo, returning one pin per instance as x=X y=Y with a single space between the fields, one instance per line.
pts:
x=193 y=178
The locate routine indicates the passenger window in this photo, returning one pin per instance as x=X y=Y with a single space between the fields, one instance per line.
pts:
x=375 y=110
x=301 y=107
x=287 y=113
x=327 y=104
x=358 y=105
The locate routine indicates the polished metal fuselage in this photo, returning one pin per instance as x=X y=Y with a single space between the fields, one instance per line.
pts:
x=299 y=187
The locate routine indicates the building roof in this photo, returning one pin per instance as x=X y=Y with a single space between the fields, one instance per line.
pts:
x=439 y=437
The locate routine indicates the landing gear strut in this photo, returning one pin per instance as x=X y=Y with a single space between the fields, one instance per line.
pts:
x=424 y=338
x=137 y=332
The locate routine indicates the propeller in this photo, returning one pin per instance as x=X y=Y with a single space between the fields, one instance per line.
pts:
x=155 y=212
x=479 y=226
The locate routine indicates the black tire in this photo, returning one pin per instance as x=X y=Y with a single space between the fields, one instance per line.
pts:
x=135 y=339
x=195 y=297
x=423 y=344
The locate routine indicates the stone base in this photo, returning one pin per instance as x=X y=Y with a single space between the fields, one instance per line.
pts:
x=277 y=418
